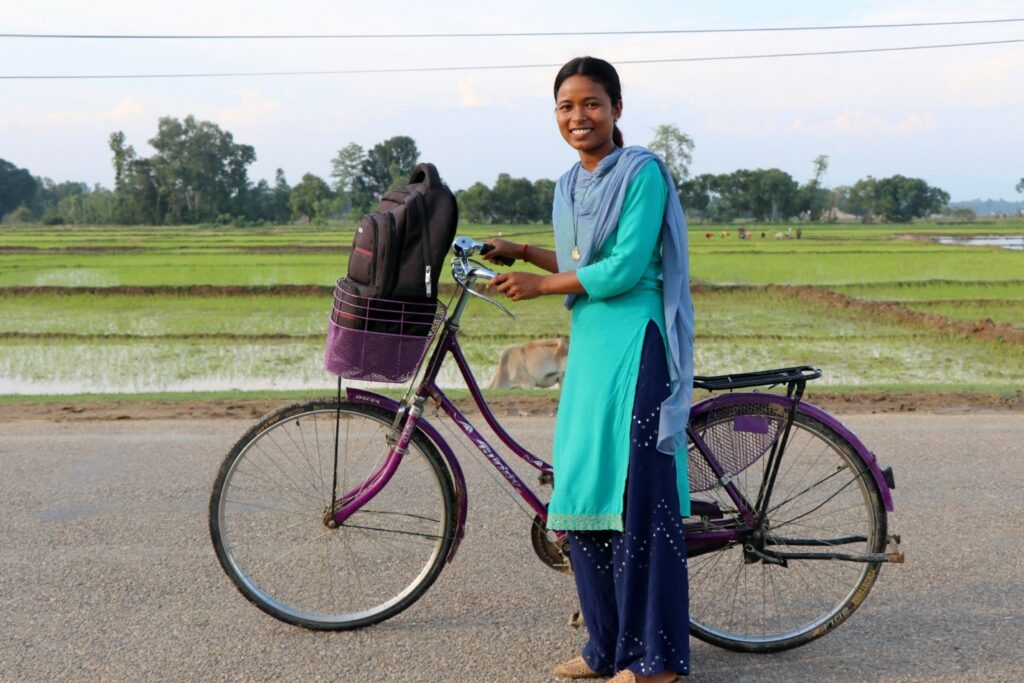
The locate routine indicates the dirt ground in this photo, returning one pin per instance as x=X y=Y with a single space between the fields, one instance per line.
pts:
x=521 y=406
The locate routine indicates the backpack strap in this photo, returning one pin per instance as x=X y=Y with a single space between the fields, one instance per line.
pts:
x=421 y=205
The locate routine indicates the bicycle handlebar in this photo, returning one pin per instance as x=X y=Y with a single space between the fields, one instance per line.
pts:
x=466 y=272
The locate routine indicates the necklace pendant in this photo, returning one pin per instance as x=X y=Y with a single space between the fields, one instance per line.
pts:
x=575 y=253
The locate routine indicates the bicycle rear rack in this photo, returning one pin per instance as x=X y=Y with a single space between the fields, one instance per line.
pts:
x=799 y=374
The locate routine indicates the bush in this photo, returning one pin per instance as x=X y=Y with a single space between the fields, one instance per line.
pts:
x=19 y=215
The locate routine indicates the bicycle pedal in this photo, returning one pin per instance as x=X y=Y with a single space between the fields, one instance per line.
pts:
x=894 y=554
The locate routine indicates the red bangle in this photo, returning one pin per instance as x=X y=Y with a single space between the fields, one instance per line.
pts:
x=522 y=252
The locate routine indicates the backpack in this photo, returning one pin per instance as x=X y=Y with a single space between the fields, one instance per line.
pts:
x=399 y=250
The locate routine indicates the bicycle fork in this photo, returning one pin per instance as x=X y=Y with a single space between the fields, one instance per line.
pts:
x=352 y=500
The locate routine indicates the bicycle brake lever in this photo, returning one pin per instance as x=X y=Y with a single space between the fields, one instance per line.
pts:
x=489 y=299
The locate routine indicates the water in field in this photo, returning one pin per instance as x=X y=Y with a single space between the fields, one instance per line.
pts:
x=1012 y=242
x=59 y=367
x=62 y=367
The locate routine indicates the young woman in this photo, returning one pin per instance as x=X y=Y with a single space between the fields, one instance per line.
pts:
x=620 y=444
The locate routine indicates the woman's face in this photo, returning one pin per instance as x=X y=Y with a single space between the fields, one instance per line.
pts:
x=586 y=117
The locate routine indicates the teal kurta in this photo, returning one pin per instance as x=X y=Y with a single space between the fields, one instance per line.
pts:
x=592 y=430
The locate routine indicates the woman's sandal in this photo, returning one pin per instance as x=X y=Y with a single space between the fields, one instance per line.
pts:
x=627 y=676
x=576 y=668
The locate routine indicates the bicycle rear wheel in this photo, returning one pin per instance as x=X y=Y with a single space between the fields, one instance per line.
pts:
x=824 y=500
x=270 y=504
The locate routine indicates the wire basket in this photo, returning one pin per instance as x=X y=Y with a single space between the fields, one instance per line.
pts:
x=379 y=340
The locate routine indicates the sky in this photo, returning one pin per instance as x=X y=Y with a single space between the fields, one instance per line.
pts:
x=953 y=117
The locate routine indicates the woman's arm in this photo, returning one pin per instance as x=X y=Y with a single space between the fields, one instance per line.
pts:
x=519 y=286
x=503 y=249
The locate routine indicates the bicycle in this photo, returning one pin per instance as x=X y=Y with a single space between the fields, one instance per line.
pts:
x=339 y=513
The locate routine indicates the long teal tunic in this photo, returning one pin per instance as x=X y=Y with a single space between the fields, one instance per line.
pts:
x=592 y=428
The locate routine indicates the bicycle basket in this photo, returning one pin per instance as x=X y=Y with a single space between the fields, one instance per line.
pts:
x=379 y=340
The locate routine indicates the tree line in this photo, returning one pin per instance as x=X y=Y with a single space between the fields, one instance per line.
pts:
x=198 y=173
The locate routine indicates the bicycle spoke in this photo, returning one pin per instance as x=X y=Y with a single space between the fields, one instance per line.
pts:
x=267 y=519
x=821 y=494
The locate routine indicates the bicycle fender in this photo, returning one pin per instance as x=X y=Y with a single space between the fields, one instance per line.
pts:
x=817 y=413
x=461 y=498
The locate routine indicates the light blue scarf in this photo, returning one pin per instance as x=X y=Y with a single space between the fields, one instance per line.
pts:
x=597 y=217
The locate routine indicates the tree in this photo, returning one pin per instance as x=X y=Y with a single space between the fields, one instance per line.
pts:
x=1020 y=186
x=899 y=199
x=476 y=203
x=50 y=194
x=17 y=187
x=814 y=197
x=310 y=199
x=774 y=195
x=895 y=199
x=676 y=149
x=280 y=202
x=544 y=192
x=698 y=193
x=386 y=165
x=201 y=171
x=514 y=200
x=136 y=191
x=345 y=168
x=860 y=200
x=92 y=207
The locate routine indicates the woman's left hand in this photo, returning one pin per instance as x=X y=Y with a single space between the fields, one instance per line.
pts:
x=517 y=285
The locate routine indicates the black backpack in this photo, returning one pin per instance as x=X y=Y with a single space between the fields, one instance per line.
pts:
x=399 y=249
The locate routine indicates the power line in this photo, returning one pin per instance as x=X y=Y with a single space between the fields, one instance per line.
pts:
x=494 y=67
x=525 y=34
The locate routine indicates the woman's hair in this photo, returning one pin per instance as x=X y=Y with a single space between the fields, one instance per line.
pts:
x=600 y=72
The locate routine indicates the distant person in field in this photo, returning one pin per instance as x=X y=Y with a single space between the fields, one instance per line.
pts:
x=620 y=484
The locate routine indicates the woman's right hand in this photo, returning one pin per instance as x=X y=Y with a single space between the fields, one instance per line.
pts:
x=503 y=252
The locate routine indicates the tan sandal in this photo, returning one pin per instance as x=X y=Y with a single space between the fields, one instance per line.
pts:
x=576 y=668
x=627 y=676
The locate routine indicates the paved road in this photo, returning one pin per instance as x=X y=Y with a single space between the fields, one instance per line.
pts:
x=106 y=571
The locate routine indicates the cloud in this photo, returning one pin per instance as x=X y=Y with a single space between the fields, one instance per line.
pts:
x=742 y=128
x=127 y=110
x=468 y=94
x=987 y=82
x=859 y=122
x=254 y=108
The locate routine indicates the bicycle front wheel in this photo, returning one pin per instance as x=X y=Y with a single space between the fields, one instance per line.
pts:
x=824 y=503
x=272 y=499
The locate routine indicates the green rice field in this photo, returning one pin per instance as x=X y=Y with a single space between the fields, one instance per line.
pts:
x=143 y=310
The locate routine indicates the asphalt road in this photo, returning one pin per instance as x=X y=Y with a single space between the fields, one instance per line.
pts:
x=107 y=572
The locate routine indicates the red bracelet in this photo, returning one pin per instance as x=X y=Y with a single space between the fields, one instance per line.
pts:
x=522 y=252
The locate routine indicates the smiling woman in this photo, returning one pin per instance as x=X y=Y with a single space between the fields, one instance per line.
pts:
x=620 y=484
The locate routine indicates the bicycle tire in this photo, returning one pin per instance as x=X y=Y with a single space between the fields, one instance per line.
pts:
x=268 y=525
x=823 y=491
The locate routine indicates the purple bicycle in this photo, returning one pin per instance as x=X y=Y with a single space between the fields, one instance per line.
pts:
x=341 y=512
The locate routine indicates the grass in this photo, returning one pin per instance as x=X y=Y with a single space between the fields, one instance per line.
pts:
x=75 y=339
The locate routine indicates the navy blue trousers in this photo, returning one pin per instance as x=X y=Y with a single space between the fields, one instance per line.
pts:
x=632 y=584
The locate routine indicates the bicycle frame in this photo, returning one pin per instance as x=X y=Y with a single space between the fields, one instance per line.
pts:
x=701 y=536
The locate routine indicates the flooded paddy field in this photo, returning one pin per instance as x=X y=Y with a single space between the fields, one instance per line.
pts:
x=117 y=310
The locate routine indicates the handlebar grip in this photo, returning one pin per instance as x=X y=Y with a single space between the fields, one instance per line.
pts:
x=504 y=260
